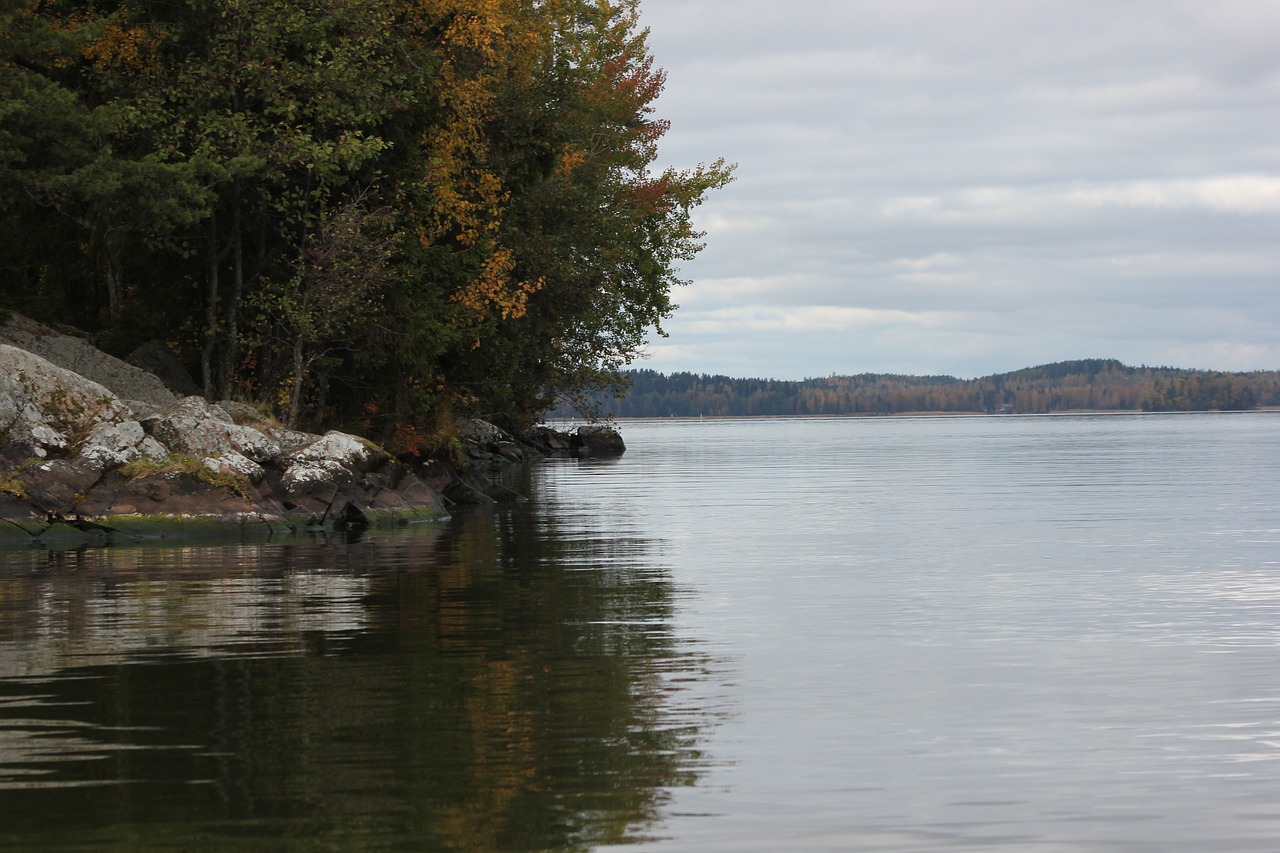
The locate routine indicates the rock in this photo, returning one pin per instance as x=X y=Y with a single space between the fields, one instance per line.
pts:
x=289 y=440
x=349 y=450
x=20 y=523
x=547 y=440
x=142 y=409
x=468 y=487
x=599 y=441
x=158 y=360
x=191 y=425
x=336 y=459
x=249 y=476
x=483 y=433
x=235 y=464
x=45 y=408
x=111 y=445
x=242 y=413
x=56 y=486
x=424 y=500
x=79 y=356
x=488 y=444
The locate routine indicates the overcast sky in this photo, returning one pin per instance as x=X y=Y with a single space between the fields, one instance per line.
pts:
x=969 y=187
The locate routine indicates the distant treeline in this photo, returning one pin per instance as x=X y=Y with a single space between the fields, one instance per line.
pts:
x=1088 y=384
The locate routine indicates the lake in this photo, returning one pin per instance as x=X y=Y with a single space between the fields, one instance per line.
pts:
x=1056 y=633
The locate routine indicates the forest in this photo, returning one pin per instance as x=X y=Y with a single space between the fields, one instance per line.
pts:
x=1082 y=385
x=370 y=214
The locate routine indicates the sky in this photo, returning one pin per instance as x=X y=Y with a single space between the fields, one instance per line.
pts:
x=969 y=187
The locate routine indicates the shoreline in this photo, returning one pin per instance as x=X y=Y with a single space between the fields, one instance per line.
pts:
x=910 y=415
x=96 y=450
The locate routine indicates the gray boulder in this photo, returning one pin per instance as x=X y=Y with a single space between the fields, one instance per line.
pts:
x=79 y=356
x=288 y=439
x=476 y=431
x=486 y=443
x=194 y=426
x=111 y=445
x=158 y=360
x=334 y=460
x=45 y=408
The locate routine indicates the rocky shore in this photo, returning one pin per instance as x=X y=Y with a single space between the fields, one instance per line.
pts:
x=93 y=448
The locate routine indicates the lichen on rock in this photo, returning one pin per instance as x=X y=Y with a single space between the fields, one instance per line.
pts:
x=45 y=408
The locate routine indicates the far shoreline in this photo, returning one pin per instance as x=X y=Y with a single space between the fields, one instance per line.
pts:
x=911 y=415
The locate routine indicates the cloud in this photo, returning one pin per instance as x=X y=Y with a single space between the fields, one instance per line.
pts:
x=809 y=318
x=1241 y=195
x=962 y=188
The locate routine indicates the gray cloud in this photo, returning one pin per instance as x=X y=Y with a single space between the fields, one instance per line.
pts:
x=943 y=187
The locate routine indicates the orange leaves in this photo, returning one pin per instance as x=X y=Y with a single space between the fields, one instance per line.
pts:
x=637 y=83
x=119 y=44
x=466 y=197
x=110 y=41
x=482 y=48
x=570 y=159
x=494 y=292
x=466 y=203
x=651 y=195
x=477 y=25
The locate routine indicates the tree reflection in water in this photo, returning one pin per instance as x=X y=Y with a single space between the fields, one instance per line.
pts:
x=501 y=682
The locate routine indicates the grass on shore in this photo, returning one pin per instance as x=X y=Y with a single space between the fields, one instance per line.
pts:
x=190 y=466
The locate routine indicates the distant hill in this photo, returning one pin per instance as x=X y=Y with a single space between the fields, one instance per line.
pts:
x=1094 y=384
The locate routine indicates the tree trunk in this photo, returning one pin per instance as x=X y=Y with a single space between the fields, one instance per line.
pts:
x=299 y=377
x=115 y=295
x=231 y=342
x=211 y=310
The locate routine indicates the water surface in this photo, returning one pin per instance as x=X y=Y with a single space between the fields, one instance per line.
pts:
x=930 y=634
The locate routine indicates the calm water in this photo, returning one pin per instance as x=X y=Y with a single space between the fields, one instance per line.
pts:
x=933 y=634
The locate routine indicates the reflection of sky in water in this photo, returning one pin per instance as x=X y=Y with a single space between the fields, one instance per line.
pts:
x=964 y=634
x=164 y=613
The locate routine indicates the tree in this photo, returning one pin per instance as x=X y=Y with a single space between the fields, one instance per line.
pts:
x=487 y=166
x=588 y=220
x=336 y=286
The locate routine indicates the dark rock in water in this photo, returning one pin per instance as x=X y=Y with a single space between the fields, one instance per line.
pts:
x=466 y=487
x=471 y=487
x=599 y=441
x=486 y=444
x=158 y=360
x=549 y=441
